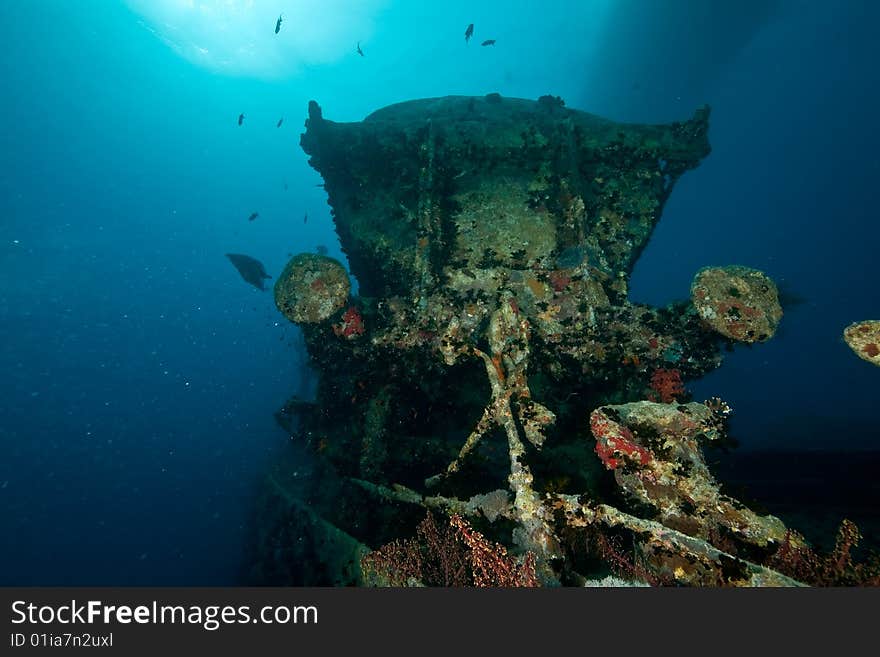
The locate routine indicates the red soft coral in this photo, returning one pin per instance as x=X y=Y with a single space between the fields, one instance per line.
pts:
x=667 y=385
x=352 y=324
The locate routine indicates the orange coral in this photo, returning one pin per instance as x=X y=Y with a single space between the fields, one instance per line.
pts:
x=490 y=562
x=667 y=386
x=837 y=568
x=451 y=555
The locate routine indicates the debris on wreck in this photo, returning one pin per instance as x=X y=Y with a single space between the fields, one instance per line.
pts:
x=492 y=367
x=740 y=303
x=653 y=450
x=251 y=269
x=864 y=339
x=311 y=288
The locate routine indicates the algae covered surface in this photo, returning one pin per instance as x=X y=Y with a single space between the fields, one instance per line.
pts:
x=492 y=368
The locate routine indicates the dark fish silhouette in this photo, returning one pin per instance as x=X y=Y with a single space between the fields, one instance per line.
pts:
x=488 y=42
x=360 y=52
x=280 y=121
x=240 y=119
x=788 y=298
x=321 y=249
x=469 y=32
x=306 y=218
x=253 y=216
x=251 y=270
x=278 y=25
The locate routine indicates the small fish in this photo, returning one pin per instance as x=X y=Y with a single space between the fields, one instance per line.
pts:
x=488 y=42
x=278 y=25
x=280 y=121
x=321 y=249
x=468 y=33
x=253 y=216
x=306 y=218
x=240 y=119
x=360 y=52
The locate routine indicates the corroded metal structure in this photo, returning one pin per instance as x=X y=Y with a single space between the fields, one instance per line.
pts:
x=492 y=240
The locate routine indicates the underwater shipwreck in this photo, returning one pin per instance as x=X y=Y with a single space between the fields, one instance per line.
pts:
x=490 y=407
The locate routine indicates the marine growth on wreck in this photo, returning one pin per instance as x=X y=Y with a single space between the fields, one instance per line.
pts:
x=491 y=397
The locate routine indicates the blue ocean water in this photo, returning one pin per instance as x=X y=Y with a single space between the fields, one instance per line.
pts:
x=140 y=373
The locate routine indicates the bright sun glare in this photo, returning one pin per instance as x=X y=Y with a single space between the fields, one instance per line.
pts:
x=237 y=37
